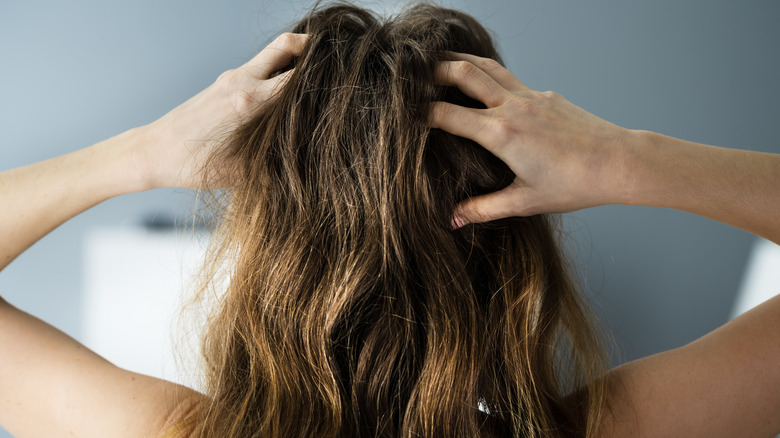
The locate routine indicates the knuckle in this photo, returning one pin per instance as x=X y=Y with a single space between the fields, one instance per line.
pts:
x=466 y=68
x=527 y=107
x=439 y=113
x=285 y=39
x=444 y=110
x=226 y=77
x=551 y=95
x=504 y=129
x=242 y=101
x=435 y=113
x=489 y=64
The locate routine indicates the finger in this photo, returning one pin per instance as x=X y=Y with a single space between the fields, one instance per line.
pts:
x=464 y=122
x=498 y=72
x=277 y=55
x=276 y=81
x=471 y=80
x=486 y=208
x=268 y=88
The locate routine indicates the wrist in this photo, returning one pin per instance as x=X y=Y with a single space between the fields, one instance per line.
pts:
x=161 y=158
x=634 y=174
x=659 y=172
x=126 y=154
x=621 y=183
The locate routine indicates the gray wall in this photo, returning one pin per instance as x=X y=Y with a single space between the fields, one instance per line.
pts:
x=73 y=73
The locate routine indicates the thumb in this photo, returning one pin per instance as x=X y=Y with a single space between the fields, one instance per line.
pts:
x=485 y=208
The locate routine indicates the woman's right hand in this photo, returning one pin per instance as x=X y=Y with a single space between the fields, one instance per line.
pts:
x=564 y=158
x=177 y=145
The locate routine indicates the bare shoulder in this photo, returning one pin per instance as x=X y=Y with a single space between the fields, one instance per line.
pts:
x=52 y=385
x=724 y=384
x=151 y=408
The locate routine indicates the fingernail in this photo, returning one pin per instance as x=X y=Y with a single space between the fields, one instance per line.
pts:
x=457 y=222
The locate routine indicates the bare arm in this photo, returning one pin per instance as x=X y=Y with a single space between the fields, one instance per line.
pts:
x=39 y=197
x=725 y=384
x=50 y=385
x=737 y=187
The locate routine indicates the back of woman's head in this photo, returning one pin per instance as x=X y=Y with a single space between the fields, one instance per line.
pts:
x=353 y=309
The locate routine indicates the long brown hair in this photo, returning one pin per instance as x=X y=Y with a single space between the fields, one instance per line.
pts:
x=353 y=309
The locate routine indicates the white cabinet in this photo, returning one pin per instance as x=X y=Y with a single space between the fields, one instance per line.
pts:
x=134 y=281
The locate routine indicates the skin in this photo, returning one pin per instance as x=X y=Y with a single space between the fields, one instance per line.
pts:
x=724 y=384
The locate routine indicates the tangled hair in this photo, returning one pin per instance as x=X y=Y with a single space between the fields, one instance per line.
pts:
x=353 y=309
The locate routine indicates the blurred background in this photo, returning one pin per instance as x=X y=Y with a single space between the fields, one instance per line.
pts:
x=74 y=73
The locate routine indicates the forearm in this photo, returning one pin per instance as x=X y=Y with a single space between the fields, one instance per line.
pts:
x=736 y=187
x=39 y=197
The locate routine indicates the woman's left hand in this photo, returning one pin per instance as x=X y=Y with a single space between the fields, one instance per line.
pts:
x=175 y=146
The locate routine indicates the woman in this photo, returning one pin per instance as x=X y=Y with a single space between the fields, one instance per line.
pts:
x=358 y=303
